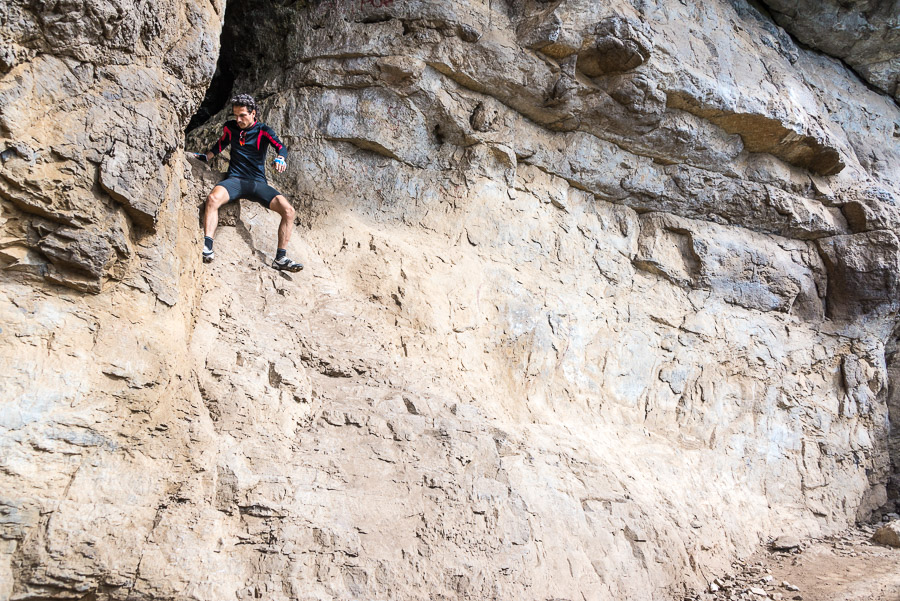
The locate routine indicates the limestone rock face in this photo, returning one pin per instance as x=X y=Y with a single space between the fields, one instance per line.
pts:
x=864 y=33
x=598 y=297
x=863 y=272
x=620 y=46
x=95 y=95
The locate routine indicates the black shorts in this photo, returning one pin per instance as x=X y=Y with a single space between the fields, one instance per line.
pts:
x=256 y=191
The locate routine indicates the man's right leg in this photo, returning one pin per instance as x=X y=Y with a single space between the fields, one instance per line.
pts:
x=216 y=199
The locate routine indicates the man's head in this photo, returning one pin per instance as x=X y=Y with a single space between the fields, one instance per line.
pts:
x=244 y=108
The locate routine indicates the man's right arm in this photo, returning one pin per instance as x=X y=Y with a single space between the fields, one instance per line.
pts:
x=221 y=144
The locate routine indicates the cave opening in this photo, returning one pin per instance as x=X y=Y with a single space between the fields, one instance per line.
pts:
x=251 y=41
x=217 y=94
x=222 y=84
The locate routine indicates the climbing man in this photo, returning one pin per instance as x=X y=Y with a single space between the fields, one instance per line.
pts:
x=246 y=178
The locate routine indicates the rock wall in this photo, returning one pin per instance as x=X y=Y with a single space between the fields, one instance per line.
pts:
x=863 y=33
x=95 y=97
x=98 y=281
x=597 y=298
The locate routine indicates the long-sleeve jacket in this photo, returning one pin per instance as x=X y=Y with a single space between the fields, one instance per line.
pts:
x=248 y=149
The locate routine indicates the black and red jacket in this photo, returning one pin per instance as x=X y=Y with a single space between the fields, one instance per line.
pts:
x=248 y=149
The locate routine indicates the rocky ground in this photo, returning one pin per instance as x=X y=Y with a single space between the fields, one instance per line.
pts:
x=848 y=566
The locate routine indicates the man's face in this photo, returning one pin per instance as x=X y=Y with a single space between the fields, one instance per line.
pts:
x=244 y=117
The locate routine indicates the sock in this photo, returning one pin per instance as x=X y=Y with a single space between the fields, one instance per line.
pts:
x=280 y=254
x=207 y=242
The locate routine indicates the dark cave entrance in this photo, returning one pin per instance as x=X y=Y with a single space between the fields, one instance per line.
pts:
x=252 y=40
x=217 y=94
x=222 y=84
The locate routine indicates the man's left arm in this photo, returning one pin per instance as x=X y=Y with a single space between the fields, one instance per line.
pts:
x=281 y=159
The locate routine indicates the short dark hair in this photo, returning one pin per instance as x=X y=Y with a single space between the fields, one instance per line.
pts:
x=246 y=101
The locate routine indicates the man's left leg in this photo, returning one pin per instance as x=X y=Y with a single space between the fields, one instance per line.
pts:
x=281 y=206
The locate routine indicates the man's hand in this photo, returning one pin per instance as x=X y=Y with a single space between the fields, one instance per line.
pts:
x=202 y=157
x=280 y=165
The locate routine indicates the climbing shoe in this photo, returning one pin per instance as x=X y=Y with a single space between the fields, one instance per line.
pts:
x=285 y=264
x=208 y=255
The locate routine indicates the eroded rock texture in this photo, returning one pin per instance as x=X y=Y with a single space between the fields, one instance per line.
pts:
x=597 y=297
x=95 y=96
x=863 y=33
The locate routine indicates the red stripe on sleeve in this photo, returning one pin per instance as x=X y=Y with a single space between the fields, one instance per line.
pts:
x=226 y=134
x=272 y=140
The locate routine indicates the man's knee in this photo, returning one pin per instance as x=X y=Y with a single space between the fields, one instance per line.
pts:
x=284 y=207
x=216 y=198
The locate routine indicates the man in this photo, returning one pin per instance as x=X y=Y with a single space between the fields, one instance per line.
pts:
x=246 y=177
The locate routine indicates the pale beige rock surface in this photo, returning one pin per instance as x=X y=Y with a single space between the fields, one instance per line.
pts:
x=94 y=96
x=596 y=298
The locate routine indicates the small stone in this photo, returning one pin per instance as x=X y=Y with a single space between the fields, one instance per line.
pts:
x=713 y=587
x=758 y=591
x=786 y=542
x=791 y=587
